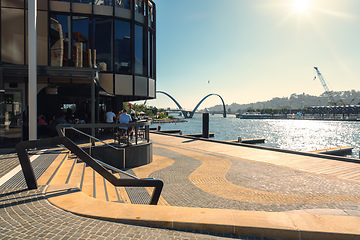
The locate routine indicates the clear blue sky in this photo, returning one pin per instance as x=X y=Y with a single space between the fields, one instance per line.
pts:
x=254 y=50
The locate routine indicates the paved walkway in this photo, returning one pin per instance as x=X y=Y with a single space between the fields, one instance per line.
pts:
x=29 y=215
x=207 y=185
x=214 y=175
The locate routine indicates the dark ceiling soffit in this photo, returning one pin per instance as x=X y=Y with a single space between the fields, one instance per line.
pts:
x=14 y=70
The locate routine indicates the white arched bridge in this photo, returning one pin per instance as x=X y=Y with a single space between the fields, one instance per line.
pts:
x=190 y=114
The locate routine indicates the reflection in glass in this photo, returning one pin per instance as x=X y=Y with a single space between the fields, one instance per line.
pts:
x=122 y=47
x=82 y=54
x=82 y=1
x=11 y=120
x=122 y=3
x=103 y=43
x=103 y=2
x=2 y=113
x=151 y=57
x=139 y=50
x=61 y=0
x=139 y=6
x=150 y=13
x=59 y=47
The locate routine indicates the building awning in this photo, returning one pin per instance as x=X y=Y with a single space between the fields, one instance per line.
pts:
x=15 y=70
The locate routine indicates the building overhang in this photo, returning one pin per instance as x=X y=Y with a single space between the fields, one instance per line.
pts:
x=15 y=70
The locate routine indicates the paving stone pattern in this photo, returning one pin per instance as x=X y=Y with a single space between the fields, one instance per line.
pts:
x=28 y=215
x=8 y=162
x=257 y=186
x=192 y=178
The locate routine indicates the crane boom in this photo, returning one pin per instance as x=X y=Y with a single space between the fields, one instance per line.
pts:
x=323 y=82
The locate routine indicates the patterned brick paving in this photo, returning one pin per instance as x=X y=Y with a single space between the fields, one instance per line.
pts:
x=28 y=215
x=192 y=178
x=8 y=162
x=202 y=179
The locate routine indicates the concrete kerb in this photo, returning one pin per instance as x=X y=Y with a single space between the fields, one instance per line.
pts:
x=317 y=155
x=251 y=223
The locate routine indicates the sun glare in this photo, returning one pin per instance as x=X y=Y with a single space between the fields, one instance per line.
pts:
x=301 y=5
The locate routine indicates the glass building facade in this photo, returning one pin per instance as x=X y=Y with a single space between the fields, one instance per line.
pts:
x=116 y=36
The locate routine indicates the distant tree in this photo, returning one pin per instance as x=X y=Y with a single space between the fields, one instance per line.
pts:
x=149 y=112
x=162 y=114
x=139 y=107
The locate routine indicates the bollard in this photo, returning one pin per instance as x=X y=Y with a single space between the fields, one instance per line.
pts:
x=159 y=128
x=205 y=132
x=239 y=139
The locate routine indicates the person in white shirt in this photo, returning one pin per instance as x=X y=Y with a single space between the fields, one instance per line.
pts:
x=110 y=116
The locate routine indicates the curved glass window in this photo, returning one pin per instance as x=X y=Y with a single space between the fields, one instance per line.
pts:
x=58 y=40
x=103 y=43
x=117 y=45
x=151 y=55
x=103 y=2
x=139 y=50
x=123 y=3
x=82 y=1
x=139 y=6
x=122 y=56
x=82 y=54
x=150 y=13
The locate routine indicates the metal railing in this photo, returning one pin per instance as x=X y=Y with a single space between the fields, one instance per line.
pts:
x=105 y=131
x=92 y=143
x=85 y=157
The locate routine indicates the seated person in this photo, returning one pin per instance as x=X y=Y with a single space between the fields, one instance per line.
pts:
x=125 y=118
x=41 y=120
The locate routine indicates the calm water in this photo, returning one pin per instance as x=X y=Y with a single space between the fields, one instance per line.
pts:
x=300 y=135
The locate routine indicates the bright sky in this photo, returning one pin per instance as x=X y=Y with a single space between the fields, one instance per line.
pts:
x=254 y=50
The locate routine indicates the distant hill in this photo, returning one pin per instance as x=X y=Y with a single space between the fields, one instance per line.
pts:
x=296 y=101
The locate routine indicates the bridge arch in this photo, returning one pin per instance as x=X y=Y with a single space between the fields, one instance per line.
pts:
x=176 y=102
x=188 y=114
x=211 y=94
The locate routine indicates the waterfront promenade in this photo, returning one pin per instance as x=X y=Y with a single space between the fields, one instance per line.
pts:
x=234 y=191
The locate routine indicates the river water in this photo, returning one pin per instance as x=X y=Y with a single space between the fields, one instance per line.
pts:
x=299 y=135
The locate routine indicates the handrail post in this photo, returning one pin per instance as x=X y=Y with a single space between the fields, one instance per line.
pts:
x=147 y=136
x=136 y=134
x=93 y=135
x=124 y=158
x=91 y=140
x=157 y=192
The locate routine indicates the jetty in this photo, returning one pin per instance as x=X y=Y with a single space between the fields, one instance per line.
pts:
x=172 y=131
x=198 y=135
x=249 y=140
x=337 y=151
